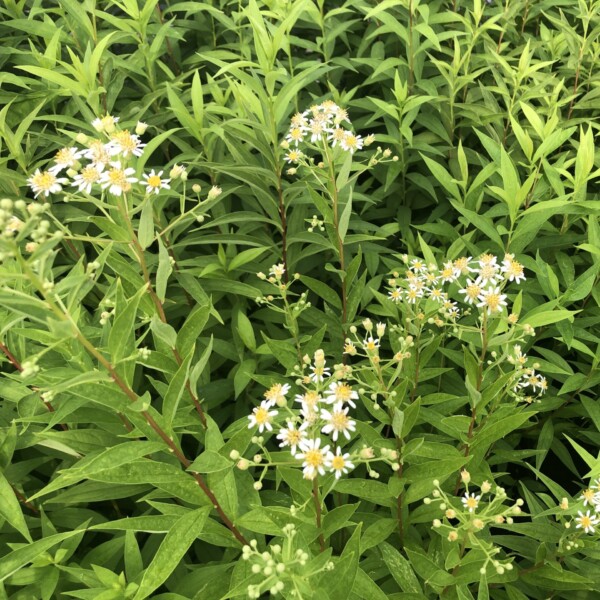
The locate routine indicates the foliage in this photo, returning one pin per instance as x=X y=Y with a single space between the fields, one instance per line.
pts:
x=426 y=306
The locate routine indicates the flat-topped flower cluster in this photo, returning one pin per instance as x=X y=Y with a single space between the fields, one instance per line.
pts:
x=482 y=282
x=322 y=124
x=323 y=408
x=102 y=163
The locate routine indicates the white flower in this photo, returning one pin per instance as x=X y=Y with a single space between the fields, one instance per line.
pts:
x=413 y=293
x=87 y=177
x=293 y=156
x=98 y=153
x=341 y=392
x=472 y=291
x=587 y=522
x=418 y=265
x=470 y=501
x=337 y=422
x=488 y=270
x=46 y=183
x=117 y=179
x=336 y=136
x=277 y=271
x=261 y=417
x=292 y=437
x=319 y=374
x=65 y=158
x=154 y=183
x=512 y=269
x=449 y=272
x=492 y=299
x=296 y=135
x=371 y=344
x=315 y=459
x=126 y=144
x=462 y=265
x=276 y=394
x=587 y=496
x=340 y=463
x=396 y=294
x=351 y=143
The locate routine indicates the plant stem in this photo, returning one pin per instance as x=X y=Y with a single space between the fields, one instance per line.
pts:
x=318 y=513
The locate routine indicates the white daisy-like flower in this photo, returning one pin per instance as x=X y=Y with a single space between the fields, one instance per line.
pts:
x=309 y=400
x=395 y=295
x=317 y=129
x=449 y=272
x=371 y=344
x=413 y=293
x=154 y=183
x=337 y=421
x=492 y=299
x=46 y=183
x=418 y=265
x=65 y=158
x=276 y=393
x=319 y=374
x=587 y=496
x=463 y=265
x=351 y=142
x=125 y=144
x=340 y=463
x=97 y=153
x=587 y=522
x=436 y=294
x=489 y=271
x=292 y=436
x=87 y=177
x=513 y=270
x=293 y=156
x=295 y=135
x=299 y=120
x=336 y=136
x=341 y=392
x=117 y=179
x=314 y=458
x=470 y=501
x=472 y=291
x=262 y=417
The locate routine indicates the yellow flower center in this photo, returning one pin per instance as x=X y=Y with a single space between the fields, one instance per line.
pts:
x=262 y=415
x=296 y=134
x=44 y=180
x=311 y=398
x=64 y=156
x=585 y=521
x=293 y=436
x=154 y=181
x=90 y=175
x=338 y=463
x=493 y=301
x=487 y=271
x=472 y=503
x=125 y=140
x=313 y=458
x=473 y=291
x=339 y=420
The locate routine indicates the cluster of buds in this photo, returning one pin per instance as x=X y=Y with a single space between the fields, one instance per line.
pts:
x=463 y=521
x=280 y=567
x=276 y=277
x=315 y=223
x=29 y=368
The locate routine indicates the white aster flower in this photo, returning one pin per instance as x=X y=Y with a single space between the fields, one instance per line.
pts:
x=295 y=135
x=315 y=459
x=513 y=270
x=117 y=179
x=97 y=153
x=351 y=142
x=341 y=392
x=587 y=522
x=46 y=183
x=319 y=374
x=154 y=183
x=470 y=501
x=65 y=158
x=492 y=299
x=292 y=436
x=125 y=144
x=337 y=422
x=261 y=417
x=472 y=291
x=276 y=394
x=87 y=177
x=340 y=463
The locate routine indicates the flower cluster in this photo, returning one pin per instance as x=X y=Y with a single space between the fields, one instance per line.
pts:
x=481 y=283
x=322 y=123
x=529 y=381
x=589 y=520
x=102 y=163
x=477 y=510
x=281 y=567
x=323 y=409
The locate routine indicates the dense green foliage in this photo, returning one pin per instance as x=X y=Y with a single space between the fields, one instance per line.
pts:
x=134 y=347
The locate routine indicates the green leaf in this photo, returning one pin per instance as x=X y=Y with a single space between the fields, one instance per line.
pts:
x=176 y=389
x=210 y=462
x=400 y=569
x=192 y=328
x=165 y=268
x=121 y=341
x=146 y=226
x=10 y=509
x=172 y=550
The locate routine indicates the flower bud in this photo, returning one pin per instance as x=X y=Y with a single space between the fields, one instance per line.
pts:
x=141 y=127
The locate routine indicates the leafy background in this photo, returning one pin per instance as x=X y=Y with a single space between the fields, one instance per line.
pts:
x=492 y=110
